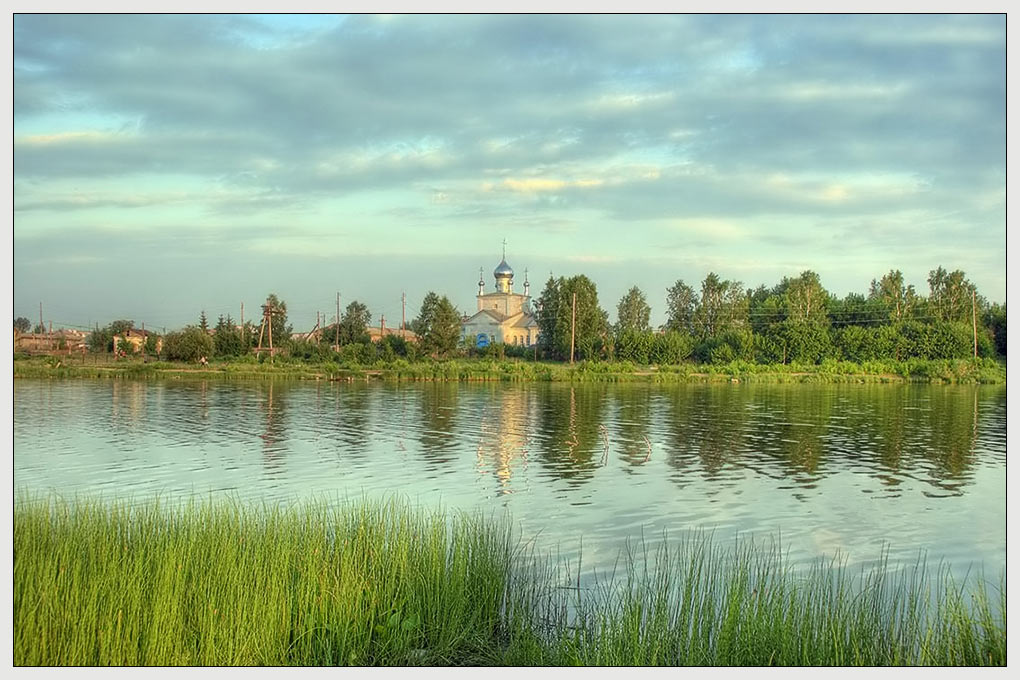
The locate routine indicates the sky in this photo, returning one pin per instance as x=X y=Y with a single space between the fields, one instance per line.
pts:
x=168 y=164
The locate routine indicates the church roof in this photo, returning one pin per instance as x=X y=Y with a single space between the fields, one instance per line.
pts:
x=491 y=313
x=503 y=269
x=498 y=294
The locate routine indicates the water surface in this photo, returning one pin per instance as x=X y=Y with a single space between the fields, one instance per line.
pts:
x=847 y=469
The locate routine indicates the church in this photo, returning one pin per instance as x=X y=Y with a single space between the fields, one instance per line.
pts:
x=503 y=315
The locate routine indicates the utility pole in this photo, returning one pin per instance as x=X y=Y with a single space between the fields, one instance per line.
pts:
x=242 y=324
x=973 y=309
x=267 y=320
x=338 y=321
x=403 y=312
x=573 y=316
x=40 y=319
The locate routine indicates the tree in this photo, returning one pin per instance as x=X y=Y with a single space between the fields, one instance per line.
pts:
x=681 y=301
x=633 y=312
x=554 y=318
x=100 y=340
x=547 y=315
x=806 y=300
x=22 y=325
x=121 y=326
x=227 y=338
x=202 y=322
x=437 y=325
x=189 y=344
x=994 y=319
x=278 y=322
x=898 y=300
x=445 y=330
x=671 y=347
x=39 y=328
x=634 y=345
x=354 y=323
x=723 y=307
x=421 y=325
x=950 y=298
x=855 y=310
x=804 y=342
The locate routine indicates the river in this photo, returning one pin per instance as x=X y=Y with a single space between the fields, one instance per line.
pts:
x=856 y=471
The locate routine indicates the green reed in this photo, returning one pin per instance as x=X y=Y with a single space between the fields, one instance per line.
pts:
x=386 y=584
x=958 y=371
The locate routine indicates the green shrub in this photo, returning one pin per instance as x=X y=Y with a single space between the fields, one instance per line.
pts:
x=190 y=344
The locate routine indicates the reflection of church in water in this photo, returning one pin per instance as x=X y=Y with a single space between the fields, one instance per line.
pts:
x=505 y=440
x=503 y=315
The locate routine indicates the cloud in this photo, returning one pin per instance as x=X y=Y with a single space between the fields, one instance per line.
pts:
x=596 y=259
x=551 y=126
x=542 y=184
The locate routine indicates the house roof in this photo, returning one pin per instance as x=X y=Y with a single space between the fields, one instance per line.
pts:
x=375 y=333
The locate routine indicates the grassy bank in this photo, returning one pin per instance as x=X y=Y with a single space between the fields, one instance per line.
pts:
x=957 y=371
x=224 y=584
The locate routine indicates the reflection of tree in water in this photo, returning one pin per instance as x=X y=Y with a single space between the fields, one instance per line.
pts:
x=876 y=422
x=705 y=426
x=952 y=435
x=184 y=411
x=273 y=435
x=438 y=438
x=633 y=421
x=793 y=429
x=346 y=417
x=903 y=431
x=569 y=442
x=505 y=422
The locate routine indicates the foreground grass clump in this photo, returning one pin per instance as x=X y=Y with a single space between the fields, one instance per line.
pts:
x=229 y=585
x=226 y=584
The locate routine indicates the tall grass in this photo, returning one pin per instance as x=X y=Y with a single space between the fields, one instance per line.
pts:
x=985 y=371
x=384 y=584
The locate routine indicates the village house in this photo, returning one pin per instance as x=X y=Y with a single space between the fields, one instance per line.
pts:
x=137 y=338
x=63 y=341
x=376 y=334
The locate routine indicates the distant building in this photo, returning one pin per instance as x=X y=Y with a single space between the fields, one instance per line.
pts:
x=375 y=334
x=137 y=339
x=63 y=341
x=503 y=315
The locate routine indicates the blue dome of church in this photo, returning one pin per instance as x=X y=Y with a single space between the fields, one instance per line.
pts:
x=503 y=270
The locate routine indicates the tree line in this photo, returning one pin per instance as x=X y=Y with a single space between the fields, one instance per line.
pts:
x=795 y=321
x=437 y=328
